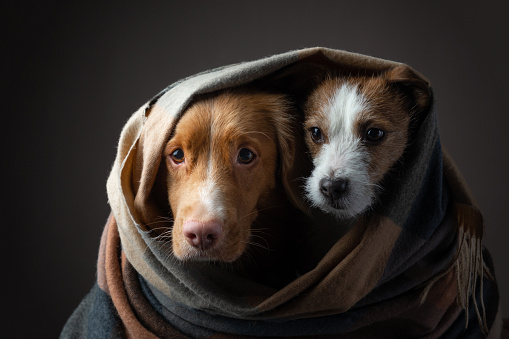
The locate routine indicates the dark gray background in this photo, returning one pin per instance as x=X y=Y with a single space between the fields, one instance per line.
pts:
x=73 y=74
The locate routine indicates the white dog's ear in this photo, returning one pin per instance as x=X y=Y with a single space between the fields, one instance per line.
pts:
x=412 y=85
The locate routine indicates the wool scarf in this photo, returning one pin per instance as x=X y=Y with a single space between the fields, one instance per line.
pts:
x=414 y=266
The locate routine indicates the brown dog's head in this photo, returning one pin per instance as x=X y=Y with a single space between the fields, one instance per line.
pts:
x=222 y=162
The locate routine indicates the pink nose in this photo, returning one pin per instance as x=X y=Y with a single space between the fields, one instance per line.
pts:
x=203 y=234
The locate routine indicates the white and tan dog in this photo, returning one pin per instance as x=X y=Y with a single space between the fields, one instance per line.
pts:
x=357 y=130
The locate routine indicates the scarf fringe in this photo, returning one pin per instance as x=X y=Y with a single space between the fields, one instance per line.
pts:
x=470 y=271
x=469 y=265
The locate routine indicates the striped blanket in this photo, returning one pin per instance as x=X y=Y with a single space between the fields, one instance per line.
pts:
x=414 y=267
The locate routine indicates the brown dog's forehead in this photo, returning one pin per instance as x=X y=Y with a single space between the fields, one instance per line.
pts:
x=194 y=126
x=226 y=119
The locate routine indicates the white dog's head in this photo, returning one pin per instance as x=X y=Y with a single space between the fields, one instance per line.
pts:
x=357 y=130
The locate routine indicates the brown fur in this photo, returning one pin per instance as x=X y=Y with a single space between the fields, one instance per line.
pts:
x=393 y=98
x=211 y=132
x=391 y=101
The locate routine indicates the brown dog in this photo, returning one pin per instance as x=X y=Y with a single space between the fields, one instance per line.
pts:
x=222 y=162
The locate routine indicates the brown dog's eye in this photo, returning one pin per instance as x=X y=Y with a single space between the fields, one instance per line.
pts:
x=316 y=135
x=177 y=155
x=246 y=156
x=374 y=134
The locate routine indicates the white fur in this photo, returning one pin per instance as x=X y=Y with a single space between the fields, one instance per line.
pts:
x=342 y=157
x=211 y=198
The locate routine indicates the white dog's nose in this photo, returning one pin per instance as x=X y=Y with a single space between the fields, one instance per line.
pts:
x=333 y=189
x=203 y=234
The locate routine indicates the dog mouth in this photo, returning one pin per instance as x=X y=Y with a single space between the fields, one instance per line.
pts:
x=341 y=204
x=342 y=208
x=207 y=240
x=343 y=197
x=335 y=192
x=209 y=256
x=216 y=254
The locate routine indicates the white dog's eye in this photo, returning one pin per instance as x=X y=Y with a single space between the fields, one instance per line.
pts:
x=374 y=134
x=316 y=135
x=245 y=156
x=177 y=156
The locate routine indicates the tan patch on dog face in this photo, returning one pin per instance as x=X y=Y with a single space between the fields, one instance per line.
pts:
x=212 y=181
x=357 y=130
x=315 y=115
x=388 y=111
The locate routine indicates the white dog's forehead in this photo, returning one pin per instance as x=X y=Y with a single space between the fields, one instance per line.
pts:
x=343 y=109
x=341 y=155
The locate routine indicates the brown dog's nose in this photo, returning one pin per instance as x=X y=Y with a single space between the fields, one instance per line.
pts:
x=333 y=189
x=203 y=234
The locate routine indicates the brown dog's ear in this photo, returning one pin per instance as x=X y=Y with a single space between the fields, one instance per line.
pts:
x=410 y=84
x=292 y=165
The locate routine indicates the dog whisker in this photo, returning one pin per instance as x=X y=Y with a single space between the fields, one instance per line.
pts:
x=259 y=237
x=258 y=211
x=248 y=215
x=159 y=228
x=165 y=218
x=257 y=132
x=261 y=234
x=162 y=219
x=157 y=222
x=303 y=178
x=167 y=238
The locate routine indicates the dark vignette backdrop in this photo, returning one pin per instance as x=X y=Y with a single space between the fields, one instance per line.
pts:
x=73 y=74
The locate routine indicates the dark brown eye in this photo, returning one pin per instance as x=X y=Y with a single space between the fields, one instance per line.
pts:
x=316 y=135
x=374 y=134
x=177 y=155
x=245 y=156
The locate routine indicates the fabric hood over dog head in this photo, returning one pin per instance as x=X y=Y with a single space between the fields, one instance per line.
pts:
x=132 y=181
x=419 y=251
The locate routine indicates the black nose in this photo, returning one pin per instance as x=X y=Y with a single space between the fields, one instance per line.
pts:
x=333 y=189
